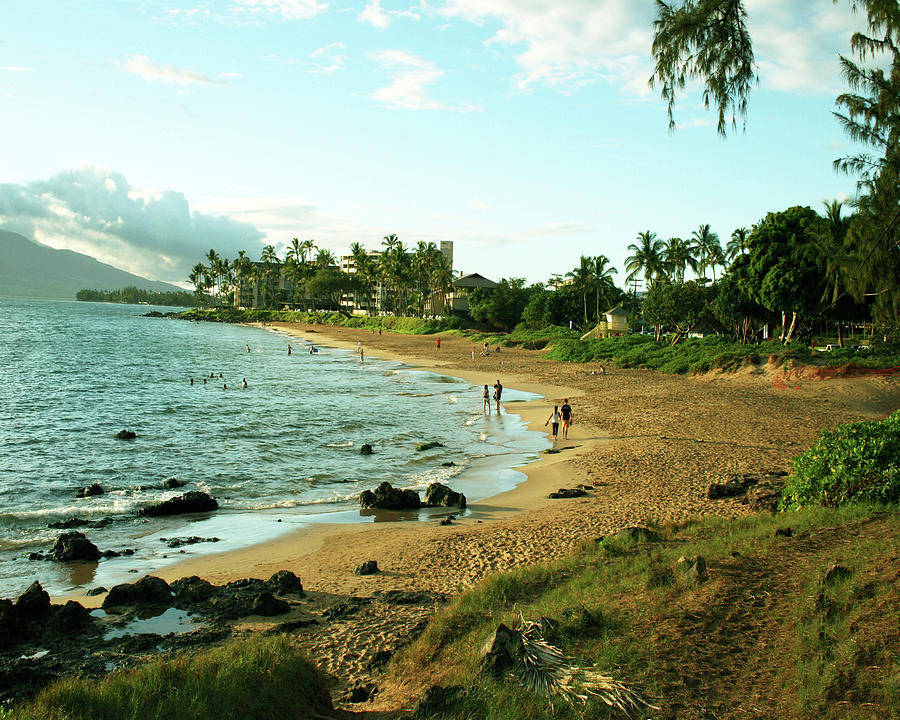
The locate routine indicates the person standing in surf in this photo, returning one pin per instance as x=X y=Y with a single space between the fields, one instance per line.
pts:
x=498 y=391
x=487 y=400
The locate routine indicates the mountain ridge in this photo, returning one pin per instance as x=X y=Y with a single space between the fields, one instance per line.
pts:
x=29 y=269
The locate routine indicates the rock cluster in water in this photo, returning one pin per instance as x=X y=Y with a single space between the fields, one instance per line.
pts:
x=387 y=497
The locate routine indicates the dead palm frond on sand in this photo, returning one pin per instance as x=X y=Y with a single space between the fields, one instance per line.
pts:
x=545 y=669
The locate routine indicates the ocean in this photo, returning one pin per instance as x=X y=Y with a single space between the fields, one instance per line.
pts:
x=277 y=455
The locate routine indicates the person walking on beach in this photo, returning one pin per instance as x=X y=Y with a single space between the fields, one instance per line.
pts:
x=498 y=391
x=473 y=352
x=566 y=412
x=487 y=400
x=439 y=342
x=554 y=418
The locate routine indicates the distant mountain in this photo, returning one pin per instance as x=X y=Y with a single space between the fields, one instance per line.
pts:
x=29 y=269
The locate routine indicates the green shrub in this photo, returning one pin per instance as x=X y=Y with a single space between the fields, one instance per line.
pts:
x=857 y=462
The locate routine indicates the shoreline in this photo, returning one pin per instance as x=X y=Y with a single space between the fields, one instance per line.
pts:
x=288 y=548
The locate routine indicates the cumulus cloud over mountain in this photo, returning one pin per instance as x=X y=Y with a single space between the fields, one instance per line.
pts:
x=97 y=212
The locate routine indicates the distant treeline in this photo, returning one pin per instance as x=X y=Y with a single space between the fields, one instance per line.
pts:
x=133 y=296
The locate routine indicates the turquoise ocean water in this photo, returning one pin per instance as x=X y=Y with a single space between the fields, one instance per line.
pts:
x=282 y=453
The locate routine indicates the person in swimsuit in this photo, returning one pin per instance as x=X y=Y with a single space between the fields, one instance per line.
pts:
x=554 y=417
x=498 y=391
x=566 y=411
x=487 y=400
x=244 y=383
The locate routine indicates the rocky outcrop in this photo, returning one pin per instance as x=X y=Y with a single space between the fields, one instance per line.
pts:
x=761 y=491
x=692 y=570
x=386 y=497
x=365 y=449
x=72 y=546
x=126 y=435
x=178 y=542
x=284 y=582
x=192 y=589
x=567 y=493
x=74 y=522
x=148 y=590
x=438 y=495
x=500 y=652
x=268 y=605
x=369 y=567
x=172 y=483
x=190 y=502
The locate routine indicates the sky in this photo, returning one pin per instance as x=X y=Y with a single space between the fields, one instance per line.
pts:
x=145 y=132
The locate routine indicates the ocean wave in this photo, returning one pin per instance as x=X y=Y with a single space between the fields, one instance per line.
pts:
x=347 y=444
x=336 y=499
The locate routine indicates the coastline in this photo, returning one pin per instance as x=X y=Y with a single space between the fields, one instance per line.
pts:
x=648 y=447
x=289 y=548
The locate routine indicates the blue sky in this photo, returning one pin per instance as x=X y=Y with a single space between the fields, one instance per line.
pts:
x=145 y=132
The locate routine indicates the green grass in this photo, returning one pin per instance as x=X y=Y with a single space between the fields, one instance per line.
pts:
x=260 y=678
x=619 y=604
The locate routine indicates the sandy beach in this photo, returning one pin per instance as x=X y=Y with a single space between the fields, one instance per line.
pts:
x=647 y=445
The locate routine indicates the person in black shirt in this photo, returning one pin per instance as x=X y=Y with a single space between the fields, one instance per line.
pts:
x=498 y=391
x=566 y=412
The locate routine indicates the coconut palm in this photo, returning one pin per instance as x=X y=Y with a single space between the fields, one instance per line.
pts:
x=196 y=279
x=325 y=258
x=583 y=280
x=646 y=256
x=709 y=250
x=243 y=271
x=833 y=256
x=678 y=255
x=737 y=245
x=601 y=278
x=442 y=278
x=270 y=275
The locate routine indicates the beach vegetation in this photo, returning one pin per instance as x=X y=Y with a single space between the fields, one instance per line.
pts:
x=857 y=462
x=134 y=296
x=814 y=642
x=257 y=677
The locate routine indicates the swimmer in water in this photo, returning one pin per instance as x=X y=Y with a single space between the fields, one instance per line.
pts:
x=248 y=348
x=244 y=383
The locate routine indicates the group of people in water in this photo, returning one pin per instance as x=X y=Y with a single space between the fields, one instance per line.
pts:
x=212 y=376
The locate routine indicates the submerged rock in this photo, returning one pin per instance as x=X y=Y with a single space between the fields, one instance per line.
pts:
x=421 y=447
x=190 y=502
x=90 y=491
x=126 y=435
x=72 y=546
x=386 y=497
x=438 y=495
x=365 y=449
x=172 y=483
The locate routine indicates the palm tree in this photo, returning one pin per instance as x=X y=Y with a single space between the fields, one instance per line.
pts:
x=678 y=255
x=442 y=278
x=271 y=272
x=325 y=258
x=243 y=271
x=390 y=269
x=709 y=250
x=647 y=257
x=833 y=256
x=601 y=278
x=365 y=278
x=214 y=268
x=196 y=278
x=738 y=244
x=583 y=280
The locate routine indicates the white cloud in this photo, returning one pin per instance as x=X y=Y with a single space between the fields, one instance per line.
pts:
x=569 y=42
x=380 y=18
x=328 y=59
x=411 y=77
x=95 y=211
x=280 y=9
x=144 y=67
x=375 y=15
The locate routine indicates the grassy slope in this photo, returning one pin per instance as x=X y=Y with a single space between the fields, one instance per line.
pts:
x=763 y=637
